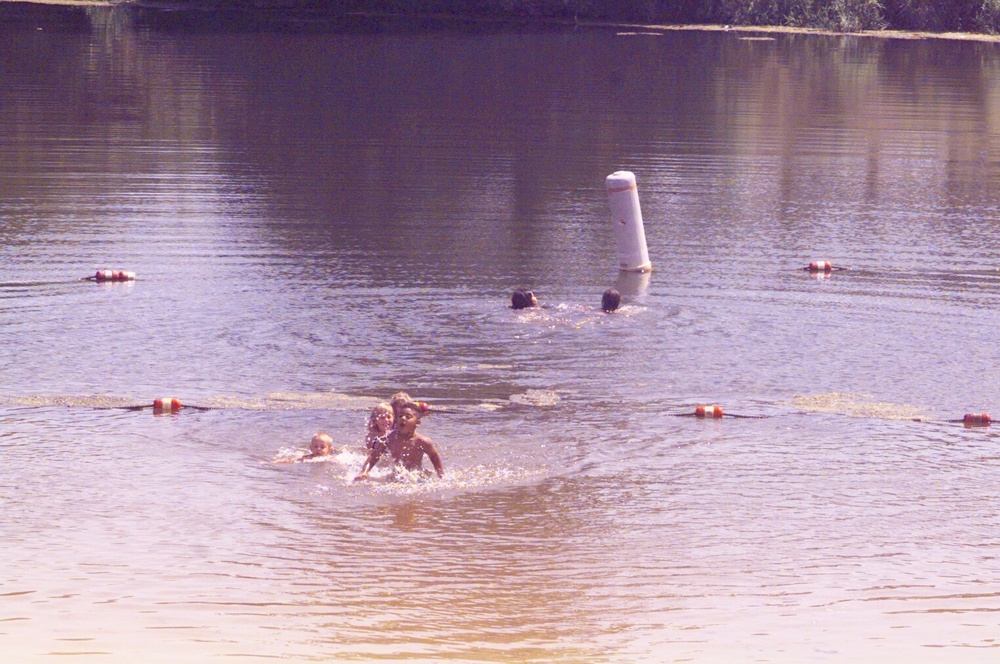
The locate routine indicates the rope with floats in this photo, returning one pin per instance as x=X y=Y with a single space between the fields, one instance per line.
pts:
x=103 y=276
x=168 y=405
x=716 y=413
x=969 y=420
x=162 y=406
x=823 y=267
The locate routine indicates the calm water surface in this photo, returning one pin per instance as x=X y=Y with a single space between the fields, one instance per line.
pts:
x=320 y=218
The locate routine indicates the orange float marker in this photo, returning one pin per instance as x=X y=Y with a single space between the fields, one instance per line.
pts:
x=708 y=411
x=166 y=405
x=820 y=266
x=976 y=419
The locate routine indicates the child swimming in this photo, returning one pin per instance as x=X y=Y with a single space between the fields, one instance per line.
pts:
x=396 y=401
x=611 y=299
x=406 y=447
x=400 y=399
x=523 y=299
x=320 y=446
x=379 y=425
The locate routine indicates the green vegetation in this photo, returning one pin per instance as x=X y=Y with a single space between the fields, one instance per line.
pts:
x=971 y=16
x=981 y=16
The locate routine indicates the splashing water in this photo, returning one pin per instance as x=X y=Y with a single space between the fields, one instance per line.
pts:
x=535 y=398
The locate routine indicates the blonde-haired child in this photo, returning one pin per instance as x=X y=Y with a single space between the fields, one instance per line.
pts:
x=397 y=401
x=320 y=446
x=406 y=447
x=380 y=423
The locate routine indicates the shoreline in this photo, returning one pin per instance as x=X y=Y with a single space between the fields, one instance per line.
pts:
x=777 y=29
x=650 y=29
x=70 y=3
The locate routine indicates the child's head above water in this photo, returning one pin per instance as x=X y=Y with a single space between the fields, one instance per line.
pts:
x=523 y=299
x=611 y=300
x=380 y=420
x=398 y=400
x=320 y=445
x=408 y=416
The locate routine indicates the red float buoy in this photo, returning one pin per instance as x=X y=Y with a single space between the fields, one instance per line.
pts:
x=114 y=275
x=976 y=419
x=166 y=405
x=821 y=266
x=708 y=411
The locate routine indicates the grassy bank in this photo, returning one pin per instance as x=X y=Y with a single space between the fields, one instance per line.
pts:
x=970 y=16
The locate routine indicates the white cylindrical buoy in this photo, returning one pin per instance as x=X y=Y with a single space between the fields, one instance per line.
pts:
x=630 y=236
x=632 y=284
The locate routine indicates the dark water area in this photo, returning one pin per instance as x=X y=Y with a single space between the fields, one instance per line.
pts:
x=321 y=217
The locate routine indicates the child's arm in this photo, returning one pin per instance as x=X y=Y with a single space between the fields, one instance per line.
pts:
x=433 y=455
x=290 y=456
x=370 y=462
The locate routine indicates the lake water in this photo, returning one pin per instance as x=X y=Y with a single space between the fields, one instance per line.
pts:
x=320 y=217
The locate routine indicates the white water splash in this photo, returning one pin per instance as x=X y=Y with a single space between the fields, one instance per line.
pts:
x=535 y=398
